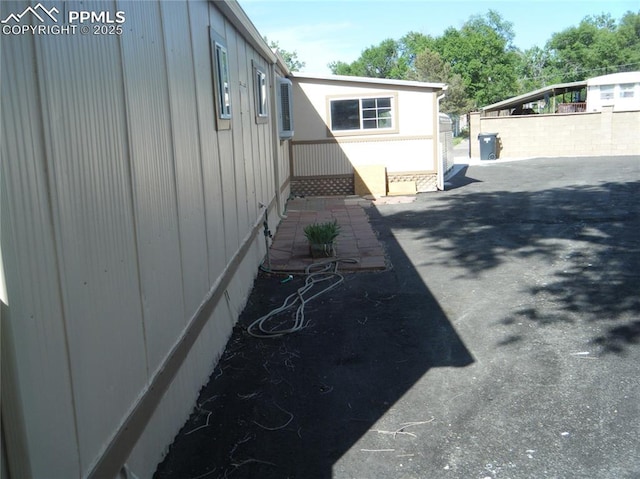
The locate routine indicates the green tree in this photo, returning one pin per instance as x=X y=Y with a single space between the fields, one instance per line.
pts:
x=481 y=52
x=413 y=43
x=628 y=38
x=341 y=68
x=290 y=58
x=534 y=70
x=429 y=67
x=500 y=26
x=381 y=61
x=597 y=46
x=628 y=32
x=483 y=59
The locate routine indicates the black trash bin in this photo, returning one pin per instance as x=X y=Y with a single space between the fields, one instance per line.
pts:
x=488 y=146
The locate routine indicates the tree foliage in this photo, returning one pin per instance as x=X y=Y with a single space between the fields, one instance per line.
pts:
x=430 y=67
x=482 y=54
x=597 y=46
x=412 y=44
x=481 y=64
x=290 y=58
x=382 y=61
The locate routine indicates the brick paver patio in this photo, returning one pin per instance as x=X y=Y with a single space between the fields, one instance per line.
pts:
x=289 y=250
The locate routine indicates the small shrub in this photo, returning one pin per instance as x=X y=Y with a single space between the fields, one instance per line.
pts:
x=322 y=233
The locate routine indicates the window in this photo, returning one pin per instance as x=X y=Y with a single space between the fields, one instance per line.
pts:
x=626 y=90
x=362 y=114
x=222 y=80
x=606 y=92
x=260 y=89
x=376 y=113
x=345 y=115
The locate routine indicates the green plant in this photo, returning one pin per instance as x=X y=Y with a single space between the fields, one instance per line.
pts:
x=322 y=233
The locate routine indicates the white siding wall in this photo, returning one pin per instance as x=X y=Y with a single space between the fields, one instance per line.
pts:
x=122 y=207
x=446 y=142
x=415 y=106
x=339 y=158
x=630 y=101
x=620 y=90
x=317 y=152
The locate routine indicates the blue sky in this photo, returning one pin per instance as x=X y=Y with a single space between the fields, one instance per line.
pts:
x=325 y=31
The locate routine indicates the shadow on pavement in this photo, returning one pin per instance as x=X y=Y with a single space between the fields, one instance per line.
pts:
x=293 y=406
x=460 y=178
x=583 y=241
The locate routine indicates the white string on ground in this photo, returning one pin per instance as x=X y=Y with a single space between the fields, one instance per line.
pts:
x=127 y=473
x=316 y=273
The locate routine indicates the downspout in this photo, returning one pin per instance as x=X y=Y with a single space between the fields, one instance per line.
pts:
x=276 y=141
x=440 y=159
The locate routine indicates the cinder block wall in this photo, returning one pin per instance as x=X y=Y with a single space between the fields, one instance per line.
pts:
x=625 y=133
x=605 y=133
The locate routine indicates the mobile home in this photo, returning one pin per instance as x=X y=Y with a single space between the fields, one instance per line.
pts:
x=140 y=151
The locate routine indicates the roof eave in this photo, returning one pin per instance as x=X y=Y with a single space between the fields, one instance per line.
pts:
x=239 y=19
x=533 y=95
x=370 y=80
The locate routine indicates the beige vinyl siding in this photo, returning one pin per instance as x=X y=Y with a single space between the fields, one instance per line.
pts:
x=186 y=160
x=340 y=157
x=86 y=161
x=208 y=142
x=408 y=146
x=413 y=107
x=155 y=202
x=322 y=158
x=124 y=211
x=33 y=323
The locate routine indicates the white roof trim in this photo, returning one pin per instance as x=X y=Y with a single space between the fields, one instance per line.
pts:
x=615 y=79
x=239 y=19
x=378 y=81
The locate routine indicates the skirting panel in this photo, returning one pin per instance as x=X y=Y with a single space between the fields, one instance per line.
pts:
x=424 y=181
x=344 y=184
x=323 y=186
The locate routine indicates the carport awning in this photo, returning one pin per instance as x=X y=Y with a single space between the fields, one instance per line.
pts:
x=541 y=94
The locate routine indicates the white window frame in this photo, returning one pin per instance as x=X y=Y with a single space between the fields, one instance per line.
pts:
x=261 y=94
x=361 y=130
x=627 y=90
x=606 y=92
x=223 y=80
x=222 y=101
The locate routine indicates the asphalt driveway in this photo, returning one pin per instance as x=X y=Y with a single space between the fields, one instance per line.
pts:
x=503 y=342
